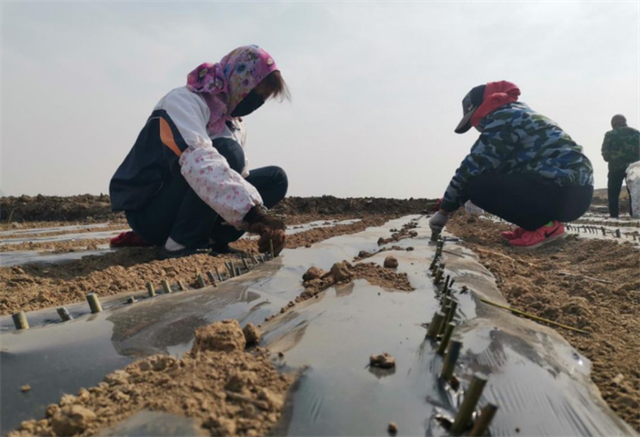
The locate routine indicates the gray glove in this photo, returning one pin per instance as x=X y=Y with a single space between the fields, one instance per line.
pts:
x=438 y=221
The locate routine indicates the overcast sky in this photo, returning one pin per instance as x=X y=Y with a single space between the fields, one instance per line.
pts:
x=377 y=87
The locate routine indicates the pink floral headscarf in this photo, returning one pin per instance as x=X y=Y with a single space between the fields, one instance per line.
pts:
x=223 y=85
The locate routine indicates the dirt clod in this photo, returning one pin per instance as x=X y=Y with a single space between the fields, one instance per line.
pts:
x=392 y=428
x=344 y=272
x=390 y=262
x=405 y=232
x=340 y=272
x=383 y=361
x=251 y=334
x=313 y=273
x=363 y=254
x=240 y=382
x=71 y=420
x=224 y=336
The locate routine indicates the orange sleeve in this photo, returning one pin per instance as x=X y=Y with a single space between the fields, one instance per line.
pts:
x=166 y=136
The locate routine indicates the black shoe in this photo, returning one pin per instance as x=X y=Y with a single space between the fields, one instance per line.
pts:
x=224 y=248
x=170 y=254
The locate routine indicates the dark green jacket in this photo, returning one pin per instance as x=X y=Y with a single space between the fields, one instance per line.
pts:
x=621 y=147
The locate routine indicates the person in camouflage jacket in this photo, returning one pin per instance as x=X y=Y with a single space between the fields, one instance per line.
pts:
x=621 y=147
x=523 y=168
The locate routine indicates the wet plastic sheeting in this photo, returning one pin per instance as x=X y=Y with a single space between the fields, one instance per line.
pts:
x=90 y=346
x=62 y=357
x=538 y=381
x=53 y=361
x=339 y=394
x=535 y=393
x=21 y=257
x=76 y=310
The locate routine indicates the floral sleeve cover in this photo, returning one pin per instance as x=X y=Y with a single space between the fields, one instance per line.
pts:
x=219 y=186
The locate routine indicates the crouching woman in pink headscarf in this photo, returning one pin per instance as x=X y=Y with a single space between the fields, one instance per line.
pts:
x=185 y=184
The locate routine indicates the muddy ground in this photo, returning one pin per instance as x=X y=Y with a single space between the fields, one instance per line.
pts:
x=589 y=284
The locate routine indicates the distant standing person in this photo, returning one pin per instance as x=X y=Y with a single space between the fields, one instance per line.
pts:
x=187 y=172
x=621 y=147
x=523 y=168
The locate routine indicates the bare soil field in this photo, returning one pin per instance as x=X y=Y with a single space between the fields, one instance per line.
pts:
x=589 y=284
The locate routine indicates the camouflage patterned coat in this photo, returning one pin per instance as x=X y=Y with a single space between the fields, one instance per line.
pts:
x=621 y=147
x=515 y=139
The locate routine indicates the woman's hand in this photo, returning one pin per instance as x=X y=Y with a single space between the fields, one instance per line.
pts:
x=269 y=228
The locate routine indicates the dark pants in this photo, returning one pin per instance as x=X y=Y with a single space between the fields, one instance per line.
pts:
x=614 y=185
x=528 y=201
x=176 y=211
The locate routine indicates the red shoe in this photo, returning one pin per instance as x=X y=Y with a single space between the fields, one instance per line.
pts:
x=128 y=239
x=512 y=235
x=539 y=237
